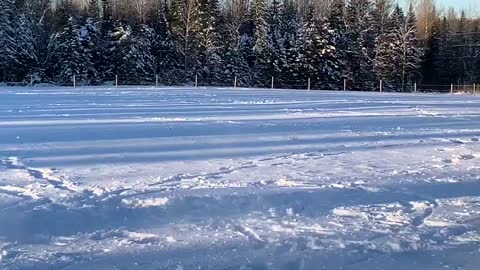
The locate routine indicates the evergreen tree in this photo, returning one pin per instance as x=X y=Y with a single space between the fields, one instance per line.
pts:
x=107 y=43
x=185 y=18
x=26 y=53
x=411 y=53
x=317 y=59
x=361 y=47
x=73 y=59
x=445 y=61
x=275 y=54
x=164 y=46
x=381 y=12
x=390 y=54
x=261 y=50
x=90 y=39
x=290 y=32
x=338 y=28
x=208 y=41
x=8 y=56
x=432 y=49
x=134 y=60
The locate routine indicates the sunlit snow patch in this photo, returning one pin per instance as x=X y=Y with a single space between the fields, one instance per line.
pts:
x=155 y=202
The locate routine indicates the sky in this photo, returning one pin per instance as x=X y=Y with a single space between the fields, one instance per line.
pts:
x=460 y=4
x=471 y=6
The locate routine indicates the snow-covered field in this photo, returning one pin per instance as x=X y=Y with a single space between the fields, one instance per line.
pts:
x=138 y=178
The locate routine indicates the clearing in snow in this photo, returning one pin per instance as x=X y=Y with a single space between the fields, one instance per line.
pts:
x=143 y=178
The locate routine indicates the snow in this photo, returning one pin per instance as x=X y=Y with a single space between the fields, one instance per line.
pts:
x=206 y=178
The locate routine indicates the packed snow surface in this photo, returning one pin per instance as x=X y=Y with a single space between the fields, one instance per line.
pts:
x=143 y=178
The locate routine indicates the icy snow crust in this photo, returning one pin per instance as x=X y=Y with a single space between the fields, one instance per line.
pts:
x=141 y=178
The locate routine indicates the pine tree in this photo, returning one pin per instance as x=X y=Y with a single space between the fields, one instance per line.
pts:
x=7 y=38
x=275 y=54
x=26 y=53
x=432 y=49
x=360 y=49
x=185 y=18
x=107 y=43
x=261 y=49
x=339 y=33
x=411 y=53
x=208 y=41
x=381 y=12
x=90 y=39
x=73 y=59
x=445 y=60
x=134 y=61
x=164 y=46
x=237 y=45
x=290 y=32
x=317 y=60
x=390 y=54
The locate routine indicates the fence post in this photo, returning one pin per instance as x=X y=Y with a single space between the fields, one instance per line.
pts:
x=381 y=86
x=415 y=88
x=74 y=82
x=344 y=85
x=31 y=80
x=196 y=81
x=474 y=88
x=309 y=85
x=156 y=80
x=116 y=81
x=235 y=82
x=451 y=89
x=273 y=82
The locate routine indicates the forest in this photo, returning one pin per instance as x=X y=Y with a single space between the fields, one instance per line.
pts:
x=329 y=43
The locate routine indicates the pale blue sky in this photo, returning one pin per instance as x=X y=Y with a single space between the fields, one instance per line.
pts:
x=459 y=4
x=471 y=6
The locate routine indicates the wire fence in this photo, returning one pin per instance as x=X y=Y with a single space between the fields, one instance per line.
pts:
x=273 y=83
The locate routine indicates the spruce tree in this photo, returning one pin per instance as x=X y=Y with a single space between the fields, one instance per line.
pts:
x=134 y=60
x=338 y=28
x=185 y=19
x=390 y=55
x=290 y=32
x=411 y=52
x=208 y=41
x=164 y=46
x=445 y=60
x=360 y=49
x=73 y=58
x=261 y=49
x=317 y=59
x=26 y=52
x=8 y=56
x=237 y=45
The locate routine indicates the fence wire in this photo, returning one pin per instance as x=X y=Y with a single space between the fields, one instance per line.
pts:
x=273 y=83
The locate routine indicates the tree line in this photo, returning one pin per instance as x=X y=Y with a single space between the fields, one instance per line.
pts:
x=251 y=41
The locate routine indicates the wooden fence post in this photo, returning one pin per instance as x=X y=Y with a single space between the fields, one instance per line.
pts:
x=415 y=88
x=309 y=85
x=235 y=82
x=344 y=85
x=451 y=89
x=156 y=80
x=273 y=82
x=196 y=81
x=116 y=81
x=74 y=82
